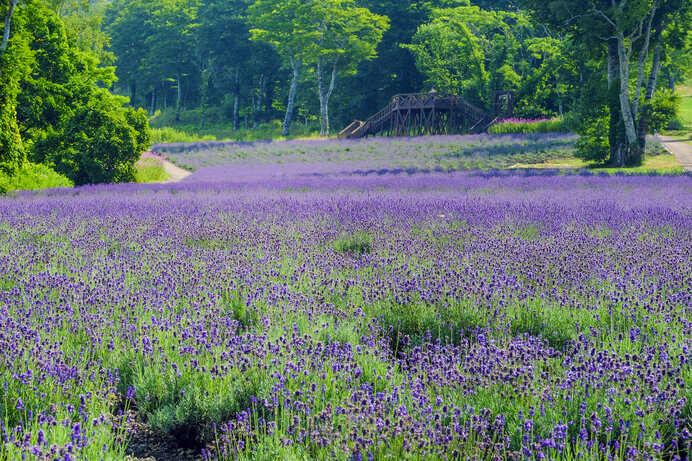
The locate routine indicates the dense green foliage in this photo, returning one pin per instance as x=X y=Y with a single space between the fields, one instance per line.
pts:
x=253 y=64
x=32 y=176
x=55 y=102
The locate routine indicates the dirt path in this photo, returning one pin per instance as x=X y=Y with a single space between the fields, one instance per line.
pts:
x=681 y=150
x=177 y=173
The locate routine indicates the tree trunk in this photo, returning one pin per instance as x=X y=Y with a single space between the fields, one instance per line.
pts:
x=643 y=55
x=615 y=128
x=297 y=65
x=6 y=30
x=152 y=111
x=133 y=93
x=633 y=154
x=325 y=96
x=650 y=91
x=8 y=22
x=236 y=101
x=178 y=101
x=260 y=101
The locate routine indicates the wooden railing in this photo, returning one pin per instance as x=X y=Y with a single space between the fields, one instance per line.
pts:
x=479 y=118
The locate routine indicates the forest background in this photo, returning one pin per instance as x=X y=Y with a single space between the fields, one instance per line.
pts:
x=80 y=81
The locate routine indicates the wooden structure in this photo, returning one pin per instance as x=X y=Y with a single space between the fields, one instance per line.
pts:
x=421 y=114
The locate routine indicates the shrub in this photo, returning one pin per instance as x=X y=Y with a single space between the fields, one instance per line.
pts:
x=662 y=110
x=4 y=184
x=150 y=170
x=356 y=244
x=519 y=126
x=33 y=176
x=593 y=144
x=100 y=143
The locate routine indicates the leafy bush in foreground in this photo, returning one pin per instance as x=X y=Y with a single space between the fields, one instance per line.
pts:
x=33 y=176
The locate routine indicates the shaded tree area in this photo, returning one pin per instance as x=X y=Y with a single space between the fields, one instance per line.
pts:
x=285 y=60
x=623 y=46
x=607 y=67
x=55 y=108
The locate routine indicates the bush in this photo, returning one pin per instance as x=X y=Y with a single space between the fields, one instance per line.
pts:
x=520 y=126
x=100 y=143
x=33 y=176
x=663 y=110
x=150 y=170
x=593 y=144
x=4 y=184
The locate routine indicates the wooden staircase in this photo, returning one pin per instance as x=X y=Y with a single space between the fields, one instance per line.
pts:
x=421 y=113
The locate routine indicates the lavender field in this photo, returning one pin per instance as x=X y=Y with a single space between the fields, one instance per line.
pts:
x=442 y=153
x=301 y=313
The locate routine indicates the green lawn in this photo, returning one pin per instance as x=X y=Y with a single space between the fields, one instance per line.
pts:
x=663 y=164
x=685 y=113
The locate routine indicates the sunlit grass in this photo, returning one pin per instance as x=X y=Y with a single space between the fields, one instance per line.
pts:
x=149 y=170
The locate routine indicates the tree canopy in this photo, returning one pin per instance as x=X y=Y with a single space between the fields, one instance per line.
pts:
x=607 y=67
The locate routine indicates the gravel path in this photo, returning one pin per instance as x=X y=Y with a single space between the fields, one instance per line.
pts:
x=177 y=173
x=681 y=150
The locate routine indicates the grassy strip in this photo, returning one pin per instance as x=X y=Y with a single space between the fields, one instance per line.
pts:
x=148 y=170
x=685 y=116
x=521 y=127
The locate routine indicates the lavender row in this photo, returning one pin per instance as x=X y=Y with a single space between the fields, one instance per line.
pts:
x=449 y=153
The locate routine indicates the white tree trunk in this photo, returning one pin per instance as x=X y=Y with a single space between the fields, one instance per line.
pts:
x=632 y=155
x=625 y=106
x=643 y=55
x=178 y=101
x=236 y=101
x=8 y=22
x=325 y=95
x=297 y=65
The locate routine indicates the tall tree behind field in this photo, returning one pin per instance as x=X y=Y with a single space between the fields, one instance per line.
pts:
x=633 y=34
x=171 y=45
x=231 y=61
x=15 y=59
x=127 y=23
x=343 y=36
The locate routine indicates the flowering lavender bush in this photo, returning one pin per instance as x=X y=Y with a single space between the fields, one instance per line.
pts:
x=496 y=315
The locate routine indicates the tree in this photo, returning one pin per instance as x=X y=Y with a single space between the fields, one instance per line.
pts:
x=343 y=36
x=451 y=56
x=127 y=23
x=334 y=35
x=632 y=32
x=99 y=143
x=472 y=52
x=171 y=44
x=73 y=124
x=14 y=61
x=283 y=24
